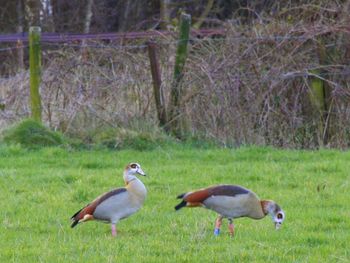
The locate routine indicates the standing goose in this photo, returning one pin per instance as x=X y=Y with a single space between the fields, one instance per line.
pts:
x=117 y=204
x=232 y=201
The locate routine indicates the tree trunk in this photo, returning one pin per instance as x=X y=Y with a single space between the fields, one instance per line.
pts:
x=205 y=13
x=86 y=30
x=20 y=14
x=88 y=16
x=164 y=14
x=19 y=29
x=48 y=20
x=32 y=12
x=125 y=19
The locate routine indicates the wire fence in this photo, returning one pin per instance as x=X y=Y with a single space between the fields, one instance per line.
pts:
x=62 y=44
x=54 y=37
x=76 y=40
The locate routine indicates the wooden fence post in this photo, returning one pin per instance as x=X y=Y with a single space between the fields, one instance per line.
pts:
x=157 y=83
x=35 y=71
x=317 y=98
x=320 y=97
x=176 y=89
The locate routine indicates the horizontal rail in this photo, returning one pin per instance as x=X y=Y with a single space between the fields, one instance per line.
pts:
x=57 y=37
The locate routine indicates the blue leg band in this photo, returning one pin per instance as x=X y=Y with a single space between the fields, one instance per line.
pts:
x=216 y=231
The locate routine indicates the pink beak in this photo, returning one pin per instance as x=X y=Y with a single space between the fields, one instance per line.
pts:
x=277 y=225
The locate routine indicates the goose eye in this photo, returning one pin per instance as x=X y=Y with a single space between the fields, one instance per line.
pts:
x=133 y=166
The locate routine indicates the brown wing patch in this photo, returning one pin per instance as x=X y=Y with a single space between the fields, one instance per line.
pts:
x=90 y=208
x=197 y=196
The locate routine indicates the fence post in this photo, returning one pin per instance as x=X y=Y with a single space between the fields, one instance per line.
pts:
x=35 y=71
x=157 y=83
x=176 y=89
x=317 y=98
x=321 y=97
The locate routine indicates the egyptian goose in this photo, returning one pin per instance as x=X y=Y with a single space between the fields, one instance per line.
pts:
x=117 y=204
x=232 y=201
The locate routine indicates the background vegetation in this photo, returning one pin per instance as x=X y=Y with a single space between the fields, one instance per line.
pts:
x=255 y=85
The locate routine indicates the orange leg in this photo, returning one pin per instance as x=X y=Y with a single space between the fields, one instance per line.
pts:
x=218 y=224
x=114 y=230
x=231 y=227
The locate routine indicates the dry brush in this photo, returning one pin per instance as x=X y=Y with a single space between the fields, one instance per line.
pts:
x=251 y=87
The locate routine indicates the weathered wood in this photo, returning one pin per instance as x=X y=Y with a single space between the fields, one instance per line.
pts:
x=164 y=14
x=176 y=89
x=32 y=10
x=323 y=56
x=35 y=71
x=86 y=30
x=317 y=98
x=317 y=91
x=181 y=51
x=321 y=97
x=20 y=52
x=157 y=83
x=204 y=14
x=19 y=29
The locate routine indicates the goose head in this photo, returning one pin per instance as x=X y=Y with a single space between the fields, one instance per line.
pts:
x=275 y=211
x=131 y=170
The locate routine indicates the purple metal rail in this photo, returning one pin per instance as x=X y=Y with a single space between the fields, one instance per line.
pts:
x=56 y=37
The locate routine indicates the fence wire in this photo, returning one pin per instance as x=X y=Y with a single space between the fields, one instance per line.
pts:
x=86 y=44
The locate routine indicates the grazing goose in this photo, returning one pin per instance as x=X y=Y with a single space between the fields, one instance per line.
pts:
x=232 y=201
x=117 y=204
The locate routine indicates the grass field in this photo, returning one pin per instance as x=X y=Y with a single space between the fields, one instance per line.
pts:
x=40 y=190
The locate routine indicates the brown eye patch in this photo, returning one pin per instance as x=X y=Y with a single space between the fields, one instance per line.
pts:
x=279 y=216
x=133 y=166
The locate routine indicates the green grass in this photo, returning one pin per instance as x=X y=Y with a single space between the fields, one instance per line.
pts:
x=32 y=135
x=40 y=190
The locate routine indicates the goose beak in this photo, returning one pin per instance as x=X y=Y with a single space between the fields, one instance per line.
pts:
x=278 y=225
x=139 y=171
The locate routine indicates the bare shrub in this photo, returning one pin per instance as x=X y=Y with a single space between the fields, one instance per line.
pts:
x=251 y=87
x=255 y=87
